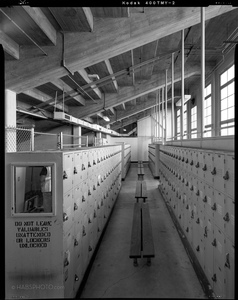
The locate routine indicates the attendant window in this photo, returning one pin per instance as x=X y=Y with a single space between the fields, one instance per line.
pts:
x=178 y=123
x=208 y=111
x=194 y=122
x=227 y=96
x=185 y=116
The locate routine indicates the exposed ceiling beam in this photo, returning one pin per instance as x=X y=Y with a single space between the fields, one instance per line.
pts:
x=111 y=37
x=131 y=120
x=126 y=94
x=41 y=20
x=88 y=119
x=109 y=67
x=9 y=46
x=39 y=95
x=84 y=75
x=27 y=110
x=112 y=110
x=67 y=89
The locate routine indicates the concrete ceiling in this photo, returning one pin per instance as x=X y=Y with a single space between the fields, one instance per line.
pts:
x=50 y=53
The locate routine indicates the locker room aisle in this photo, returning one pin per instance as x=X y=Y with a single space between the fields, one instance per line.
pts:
x=113 y=275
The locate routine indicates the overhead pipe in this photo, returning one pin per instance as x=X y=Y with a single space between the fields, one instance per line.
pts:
x=163 y=114
x=172 y=79
x=6 y=15
x=182 y=87
x=159 y=115
x=202 y=66
x=166 y=72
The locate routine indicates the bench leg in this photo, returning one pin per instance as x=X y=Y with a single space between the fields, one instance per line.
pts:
x=148 y=261
x=135 y=262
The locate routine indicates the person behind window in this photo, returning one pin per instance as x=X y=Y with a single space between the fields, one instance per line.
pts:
x=45 y=180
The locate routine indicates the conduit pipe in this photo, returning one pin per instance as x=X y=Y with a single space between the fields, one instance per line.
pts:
x=163 y=114
x=182 y=88
x=166 y=72
x=202 y=66
x=172 y=117
x=159 y=115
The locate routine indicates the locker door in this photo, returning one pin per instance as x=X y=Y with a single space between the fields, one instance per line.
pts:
x=200 y=248
x=77 y=197
x=195 y=224
x=200 y=195
x=219 y=171
x=84 y=166
x=208 y=200
x=229 y=218
x=208 y=167
x=85 y=242
x=68 y=263
x=208 y=247
x=193 y=161
x=84 y=197
x=229 y=176
x=67 y=171
x=200 y=164
x=219 y=262
x=77 y=177
x=219 y=212
x=68 y=211
x=229 y=268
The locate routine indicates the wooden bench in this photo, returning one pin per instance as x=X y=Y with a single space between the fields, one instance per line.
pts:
x=142 y=244
x=141 y=190
x=140 y=170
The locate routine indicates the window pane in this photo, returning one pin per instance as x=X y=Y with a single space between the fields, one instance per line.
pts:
x=208 y=120
x=223 y=115
x=224 y=104
x=208 y=102
x=231 y=73
x=230 y=101
x=230 y=113
x=231 y=131
x=224 y=93
x=224 y=78
x=223 y=132
x=231 y=88
x=208 y=111
x=208 y=90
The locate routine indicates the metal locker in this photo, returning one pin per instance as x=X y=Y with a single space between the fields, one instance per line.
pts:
x=67 y=171
x=78 y=278
x=229 y=269
x=200 y=194
x=219 y=262
x=85 y=242
x=84 y=196
x=208 y=199
x=208 y=247
x=208 y=167
x=229 y=175
x=77 y=177
x=200 y=164
x=219 y=212
x=218 y=171
x=68 y=264
x=84 y=166
x=193 y=161
x=77 y=198
x=90 y=163
x=68 y=211
x=229 y=218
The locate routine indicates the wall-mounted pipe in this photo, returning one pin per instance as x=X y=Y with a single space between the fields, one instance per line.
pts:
x=172 y=79
x=182 y=87
x=202 y=66
x=159 y=115
x=166 y=89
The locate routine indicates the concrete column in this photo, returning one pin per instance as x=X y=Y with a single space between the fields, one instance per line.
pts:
x=77 y=131
x=10 y=121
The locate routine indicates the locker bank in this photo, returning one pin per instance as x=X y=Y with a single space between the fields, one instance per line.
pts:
x=119 y=150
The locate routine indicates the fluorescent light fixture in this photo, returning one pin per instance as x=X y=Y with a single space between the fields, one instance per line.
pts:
x=186 y=98
x=105 y=118
x=93 y=77
x=124 y=129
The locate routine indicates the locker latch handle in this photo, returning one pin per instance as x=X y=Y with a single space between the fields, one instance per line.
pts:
x=191 y=189
x=214 y=243
x=90 y=248
x=76 y=278
x=204 y=199
x=83 y=167
x=75 y=170
x=89 y=221
x=197 y=165
x=99 y=229
x=179 y=216
x=226 y=217
x=187 y=229
x=65 y=176
x=94 y=162
x=179 y=196
x=213 y=172
x=65 y=217
x=84 y=231
x=94 y=187
x=186 y=183
x=89 y=164
x=187 y=206
x=191 y=163
x=75 y=206
x=192 y=214
x=205 y=231
x=183 y=159
x=66 y=262
x=76 y=242
x=198 y=248
x=205 y=167
x=83 y=199
x=89 y=192
x=94 y=215
x=197 y=193
x=226 y=176
x=183 y=180
x=214 y=278
x=198 y=221
x=214 y=207
x=186 y=161
x=227 y=263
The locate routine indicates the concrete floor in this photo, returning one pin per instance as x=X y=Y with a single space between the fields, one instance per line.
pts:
x=113 y=275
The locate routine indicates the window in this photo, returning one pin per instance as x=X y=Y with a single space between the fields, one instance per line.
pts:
x=227 y=96
x=208 y=111
x=178 y=124
x=185 y=116
x=32 y=190
x=194 y=122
